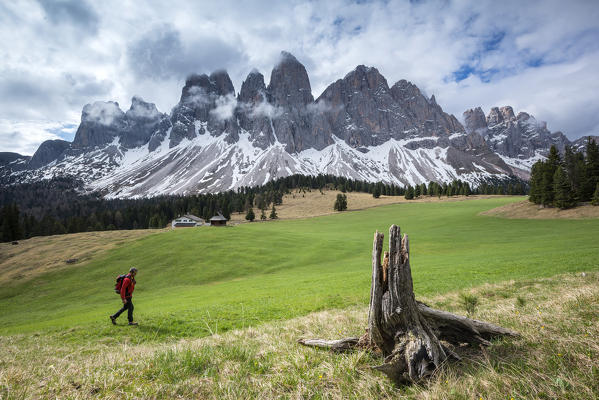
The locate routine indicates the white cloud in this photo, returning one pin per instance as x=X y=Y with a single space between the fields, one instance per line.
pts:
x=225 y=107
x=537 y=56
x=265 y=109
x=26 y=136
x=102 y=112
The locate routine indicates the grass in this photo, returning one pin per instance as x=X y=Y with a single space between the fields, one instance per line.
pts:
x=199 y=282
x=251 y=290
x=556 y=356
x=527 y=210
x=36 y=256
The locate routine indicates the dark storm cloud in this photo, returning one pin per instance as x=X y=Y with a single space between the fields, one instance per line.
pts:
x=28 y=95
x=162 y=54
x=71 y=12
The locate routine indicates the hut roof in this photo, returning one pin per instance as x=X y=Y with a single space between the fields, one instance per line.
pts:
x=218 y=217
x=192 y=217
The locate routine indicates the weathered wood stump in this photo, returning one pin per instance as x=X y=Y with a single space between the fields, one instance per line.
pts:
x=408 y=332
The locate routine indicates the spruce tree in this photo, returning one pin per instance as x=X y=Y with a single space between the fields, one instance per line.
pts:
x=591 y=173
x=376 y=193
x=409 y=193
x=536 y=177
x=250 y=216
x=340 y=203
x=263 y=215
x=562 y=190
x=595 y=199
x=417 y=191
x=273 y=213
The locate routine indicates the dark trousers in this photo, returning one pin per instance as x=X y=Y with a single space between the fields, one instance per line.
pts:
x=127 y=306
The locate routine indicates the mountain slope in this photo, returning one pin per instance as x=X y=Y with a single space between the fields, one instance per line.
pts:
x=212 y=140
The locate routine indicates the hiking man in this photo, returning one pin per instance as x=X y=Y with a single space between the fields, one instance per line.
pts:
x=127 y=288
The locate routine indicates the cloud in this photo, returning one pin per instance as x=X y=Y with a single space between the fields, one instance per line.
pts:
x=47 y=94
x=537 y=56
x=197 y=95
x=77 y=13
x=161 y=53
x=322 y=107
x=265 y=109
x=225 y=107
x=26 y=136
x=104 y=113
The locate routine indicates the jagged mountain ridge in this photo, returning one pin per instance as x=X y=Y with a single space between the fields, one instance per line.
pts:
x=520 y=140
x=359 y=127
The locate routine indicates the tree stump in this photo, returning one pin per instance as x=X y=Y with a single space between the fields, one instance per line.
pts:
x=408 y=332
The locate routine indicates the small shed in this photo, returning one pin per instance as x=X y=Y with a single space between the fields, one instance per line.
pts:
x=187 y=221
x=218 y=220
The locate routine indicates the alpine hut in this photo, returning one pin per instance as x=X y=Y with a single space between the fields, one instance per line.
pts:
x=187 y=221
x=218 y=220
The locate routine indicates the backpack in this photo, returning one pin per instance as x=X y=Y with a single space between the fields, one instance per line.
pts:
x=119 y=283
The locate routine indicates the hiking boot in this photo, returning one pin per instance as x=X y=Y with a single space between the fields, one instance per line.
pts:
x=112 y=319
x=133 y=323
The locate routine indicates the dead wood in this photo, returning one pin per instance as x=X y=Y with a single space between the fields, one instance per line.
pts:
x=408 y=332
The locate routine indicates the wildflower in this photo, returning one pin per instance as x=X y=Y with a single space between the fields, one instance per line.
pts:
x=319 y=376
x=542 y=327
x=559 y=354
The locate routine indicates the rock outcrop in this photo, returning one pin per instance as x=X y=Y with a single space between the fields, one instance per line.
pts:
x=48 y=151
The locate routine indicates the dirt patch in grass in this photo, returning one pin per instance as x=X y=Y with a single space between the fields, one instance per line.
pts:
x=38 y=255
x=305 y=204
x=527 y=210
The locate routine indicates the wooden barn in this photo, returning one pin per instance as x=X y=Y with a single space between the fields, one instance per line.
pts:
x=218 y=220
x=187 y=221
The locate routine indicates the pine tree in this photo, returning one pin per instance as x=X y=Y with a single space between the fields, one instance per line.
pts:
x=591 y=173
x=562 y=190
x=536 y=177
x=273 y=213
x=340 y=203
x=595 y=200
x=417 y=191
x=409 y=193
x=376 y=193
x=250 y=216
x=263 y=215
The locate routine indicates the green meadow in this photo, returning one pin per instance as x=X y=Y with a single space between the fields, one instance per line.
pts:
x=197 y=282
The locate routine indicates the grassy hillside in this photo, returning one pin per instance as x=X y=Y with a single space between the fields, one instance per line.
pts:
x=201 y=281
x=557 y=356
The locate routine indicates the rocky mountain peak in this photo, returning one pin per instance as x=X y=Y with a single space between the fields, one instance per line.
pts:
x=289 y=83
x=48 y=151
x=102 y=112
x=366 y=78
x=253 y=88
x=495 y=116
x=142 y=110
x=222 y=82
x=475 y=120
x=404 y=90
x=198 y=88
x=100 y=123
x=507 y=112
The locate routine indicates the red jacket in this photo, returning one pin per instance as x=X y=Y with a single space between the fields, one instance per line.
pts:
x=128 y=287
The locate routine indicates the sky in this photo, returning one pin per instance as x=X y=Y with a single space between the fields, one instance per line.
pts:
x=541 y=57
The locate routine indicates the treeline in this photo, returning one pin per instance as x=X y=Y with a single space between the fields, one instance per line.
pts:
x=565 y=181
x=58 y=206
x=510 y=186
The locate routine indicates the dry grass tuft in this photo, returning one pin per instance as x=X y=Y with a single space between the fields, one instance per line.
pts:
x=527 y=210
x=556 y=357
